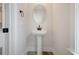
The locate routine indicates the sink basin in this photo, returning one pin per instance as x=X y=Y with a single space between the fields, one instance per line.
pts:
x=39 y=32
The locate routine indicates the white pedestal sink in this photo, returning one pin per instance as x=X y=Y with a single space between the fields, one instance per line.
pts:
x=39 y=36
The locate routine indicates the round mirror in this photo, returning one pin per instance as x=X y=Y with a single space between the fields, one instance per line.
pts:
x=39 y=14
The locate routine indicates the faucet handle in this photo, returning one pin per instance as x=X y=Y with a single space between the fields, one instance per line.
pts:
x=39 y=28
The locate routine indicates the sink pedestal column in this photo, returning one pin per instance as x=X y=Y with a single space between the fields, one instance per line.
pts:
x=39 y=38
x=39 y=45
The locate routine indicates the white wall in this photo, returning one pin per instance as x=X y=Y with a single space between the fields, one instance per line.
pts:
x=1 y=42
x=63 y=27
x=72 y=27
x=22 y=29
x=0 y=13
x=0 y=17
x=19 y=29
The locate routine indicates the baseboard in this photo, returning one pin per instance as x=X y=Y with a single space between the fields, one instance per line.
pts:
x=69 y=52
x=25 y=53
x=34 y=50
x=72 y=52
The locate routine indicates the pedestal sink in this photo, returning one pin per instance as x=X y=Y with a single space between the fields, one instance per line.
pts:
x=39 y=36
x=39 y=16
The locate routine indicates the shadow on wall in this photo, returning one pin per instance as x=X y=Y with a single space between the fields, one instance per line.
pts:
x=31 y=43
x=0 y=25
x=0 y=51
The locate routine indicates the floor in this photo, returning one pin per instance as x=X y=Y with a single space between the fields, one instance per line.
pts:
x=43 y=53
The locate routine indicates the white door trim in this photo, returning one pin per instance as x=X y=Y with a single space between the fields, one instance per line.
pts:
x=3 y=25
x=6 y=10
x=77 y=28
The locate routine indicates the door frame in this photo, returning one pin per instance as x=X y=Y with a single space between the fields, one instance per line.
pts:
x=6 y=23
x=77 y=28
x=12 y=12
x=3 y=26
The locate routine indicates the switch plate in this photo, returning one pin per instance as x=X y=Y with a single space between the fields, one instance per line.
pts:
x=5 y=30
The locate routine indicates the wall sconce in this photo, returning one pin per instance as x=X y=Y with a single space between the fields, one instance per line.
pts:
x=21 y=13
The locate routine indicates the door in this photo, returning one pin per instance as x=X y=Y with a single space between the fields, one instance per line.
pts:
x=5 y=28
